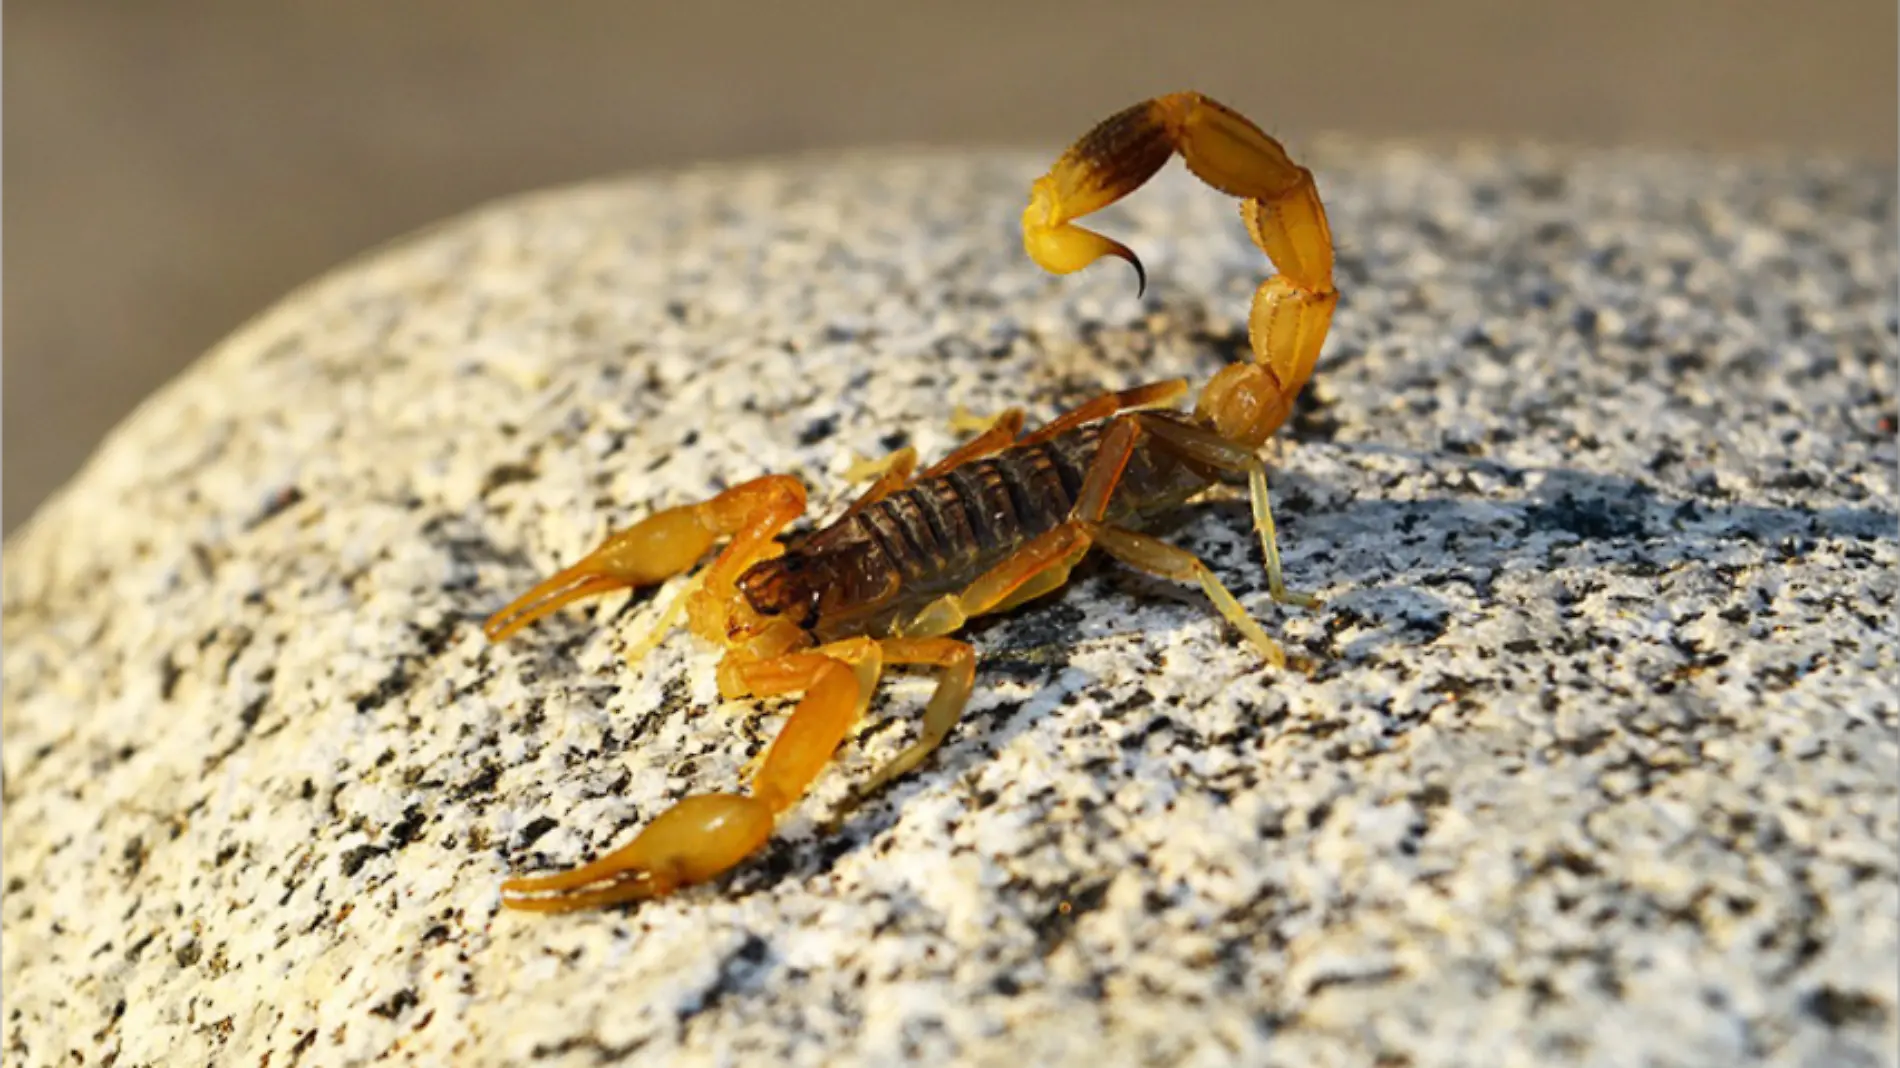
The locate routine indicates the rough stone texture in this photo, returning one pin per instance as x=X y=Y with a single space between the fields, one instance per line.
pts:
x=1597 y=765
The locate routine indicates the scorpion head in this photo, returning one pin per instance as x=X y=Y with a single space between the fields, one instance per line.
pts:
x=822 y=594
x=785 y=588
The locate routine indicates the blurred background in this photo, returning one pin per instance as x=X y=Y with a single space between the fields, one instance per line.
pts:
x=171 y=169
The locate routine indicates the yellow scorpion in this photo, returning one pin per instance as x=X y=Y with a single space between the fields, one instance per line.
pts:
x=999 y=521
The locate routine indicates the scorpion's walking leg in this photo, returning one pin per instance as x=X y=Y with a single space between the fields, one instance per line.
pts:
x=1000 y=434
x=898 y=470
x=995 y=439
x=957 y=661
x=1147 y=553
x=888 y=475
x=1207 y=447
x=665 y=544
x=1152 y=395
x=1045 y=563
x=1168 y=561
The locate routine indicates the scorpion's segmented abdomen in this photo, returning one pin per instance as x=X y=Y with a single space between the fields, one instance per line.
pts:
x=941 y=533
x=943 y=527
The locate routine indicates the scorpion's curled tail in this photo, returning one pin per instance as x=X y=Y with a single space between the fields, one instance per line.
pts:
x=1280 y=205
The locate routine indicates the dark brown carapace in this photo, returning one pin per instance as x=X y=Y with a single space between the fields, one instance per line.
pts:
x=874 y=570
x=999 y=521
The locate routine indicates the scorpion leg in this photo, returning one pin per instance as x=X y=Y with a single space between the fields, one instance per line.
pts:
x=957 y=661
x=1168 y=561
x=1029 y=572
x=898 y=470
x=995 y=439
x=705 y=835
x=838 y=681
x=1205 y=446
x=965 y=421
x=1142 y=551
x=1045 y=563
x=1152 y=395
x=665 y=544
x=998 y=435
x=889 y=475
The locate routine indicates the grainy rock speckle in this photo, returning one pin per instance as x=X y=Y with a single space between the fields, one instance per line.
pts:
x=1597 y=765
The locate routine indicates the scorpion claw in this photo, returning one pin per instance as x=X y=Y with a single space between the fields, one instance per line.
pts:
x=545 y=599
x=649 y=552
x=692 y=842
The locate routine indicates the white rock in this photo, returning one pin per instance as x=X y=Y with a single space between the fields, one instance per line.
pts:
x=1597 y=767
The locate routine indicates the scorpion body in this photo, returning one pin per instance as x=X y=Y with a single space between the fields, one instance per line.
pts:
x=999 y=521
x=873 y=571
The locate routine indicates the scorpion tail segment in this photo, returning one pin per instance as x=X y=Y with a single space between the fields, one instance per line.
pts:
x=1222 y=148
x=1292 y=230
x=1246 y=403
x=694 y=841
x=1293 y=310
x=649 y=552
x=1281 y=205
x=1108 y=163
x=1287 y=328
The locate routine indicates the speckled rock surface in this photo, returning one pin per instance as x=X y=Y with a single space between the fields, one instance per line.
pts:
x=1597 y=766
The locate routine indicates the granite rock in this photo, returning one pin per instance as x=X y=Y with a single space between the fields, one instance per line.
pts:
x=1596 y=765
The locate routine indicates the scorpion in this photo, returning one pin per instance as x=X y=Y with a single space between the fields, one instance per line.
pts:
x=1001 y=520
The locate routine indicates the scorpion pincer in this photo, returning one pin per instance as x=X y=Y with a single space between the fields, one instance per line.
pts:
x=1001 y=520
